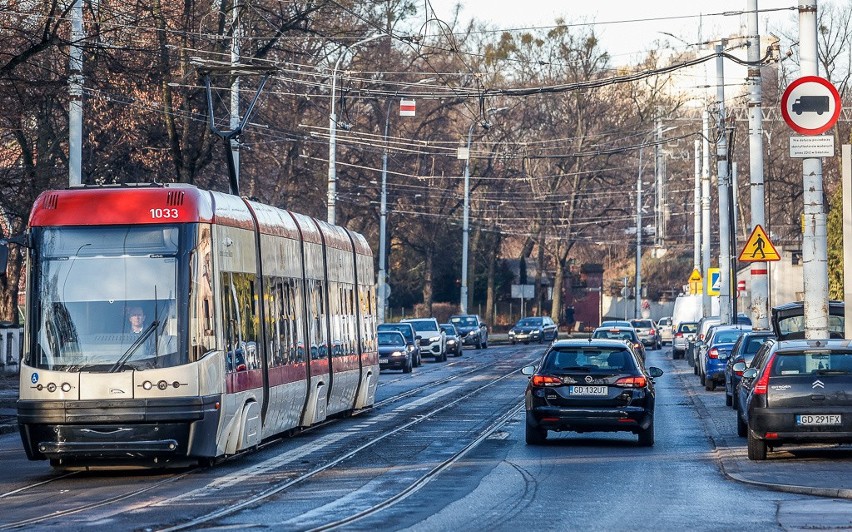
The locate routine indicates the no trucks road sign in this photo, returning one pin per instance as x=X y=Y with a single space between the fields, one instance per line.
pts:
x=811 y=105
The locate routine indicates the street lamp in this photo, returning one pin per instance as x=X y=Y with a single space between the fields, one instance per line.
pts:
x=466 y=219
x=332 y=132
x=382 y=282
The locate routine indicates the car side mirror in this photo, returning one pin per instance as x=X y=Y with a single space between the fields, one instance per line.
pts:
x=655 y=372
x=750 y=373
x=739 y=367
x=528 y=370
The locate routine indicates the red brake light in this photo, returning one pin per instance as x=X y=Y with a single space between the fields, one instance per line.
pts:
x=652 y=331
x=546 y=380
x=679 y=335
x=762 y=383
x=713 y=353
x=631 y=382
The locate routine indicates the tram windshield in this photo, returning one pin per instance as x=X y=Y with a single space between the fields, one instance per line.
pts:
x=106 y=298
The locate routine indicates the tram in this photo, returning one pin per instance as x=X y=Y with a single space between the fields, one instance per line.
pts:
x=169 y=325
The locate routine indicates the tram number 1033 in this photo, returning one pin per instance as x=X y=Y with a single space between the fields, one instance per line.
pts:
x=158 y=214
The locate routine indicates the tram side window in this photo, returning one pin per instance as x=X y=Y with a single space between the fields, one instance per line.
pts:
x=334 y=317
x=284 y=322
x=240 y=319
x=317 y=317
x=202 y=335
x=368 y=319
x=351 y=334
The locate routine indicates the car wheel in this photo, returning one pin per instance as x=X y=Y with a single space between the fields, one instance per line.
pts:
x=729 y=400
x=479 y=344
x=513 y=342
x=742 y=427
x=734 y=401
x=444 y=356
x=646 y=437
x=695 y=369
x=756 y=447
x=535 y=436
x=485 y=344
x=408 y=366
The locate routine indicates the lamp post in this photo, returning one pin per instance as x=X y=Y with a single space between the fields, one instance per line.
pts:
x=332 y=132
x=466 y=218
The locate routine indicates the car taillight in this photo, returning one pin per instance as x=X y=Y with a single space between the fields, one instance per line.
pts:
x=631 y=382
x=679 y=335
x=652 y=331
x=762 y=383
x=546 y=380
x=713 y=353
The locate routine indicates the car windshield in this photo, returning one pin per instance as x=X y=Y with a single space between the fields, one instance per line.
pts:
x=529 y=322
x=464 y=321
x=404 y=329
x=449 y=329
x=391 y=338
x=815 y=363
x=588 y=360
x=421 y=326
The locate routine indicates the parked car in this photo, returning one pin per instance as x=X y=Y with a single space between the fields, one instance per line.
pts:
x=586 y=385
x=533 y=329
x=407 y=331
x=799 y=394
x=393 y=352
x=789 y=324
x=743 y=351
x=666 y=328
x=625 y=334
x=454 y=342
x=704 y=325
x=685 y=333
x=472 y=329
x=647 y=331
x=430 y=337
x=713 y=359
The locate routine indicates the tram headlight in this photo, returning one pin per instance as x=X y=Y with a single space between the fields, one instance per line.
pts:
x=147 y=385
x=162 y=385
x=51 y=387
x=66 y=387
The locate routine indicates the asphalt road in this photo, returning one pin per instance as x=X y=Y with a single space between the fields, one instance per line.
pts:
x=444 y=450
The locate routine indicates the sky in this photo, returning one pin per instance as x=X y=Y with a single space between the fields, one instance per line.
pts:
x=628 y=27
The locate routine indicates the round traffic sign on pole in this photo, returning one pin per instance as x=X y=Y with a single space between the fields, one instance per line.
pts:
x=810 y=105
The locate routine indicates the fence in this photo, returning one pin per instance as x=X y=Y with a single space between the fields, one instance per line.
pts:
x=10 y=350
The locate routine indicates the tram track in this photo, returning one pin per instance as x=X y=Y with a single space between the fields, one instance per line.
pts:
x=417 y=418
x=242 y=471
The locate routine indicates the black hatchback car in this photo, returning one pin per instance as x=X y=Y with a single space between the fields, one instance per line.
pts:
x=590 y=385
x=799 y=394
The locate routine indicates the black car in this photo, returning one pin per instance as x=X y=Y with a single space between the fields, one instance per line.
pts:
x=588 y=385
x=394 y=352
x=533 y=329
x=743 y=351
x=472 y=330
x=454 y=342
x=626 y=334
x=410 y=335
x=788 y=320
x=799 y=394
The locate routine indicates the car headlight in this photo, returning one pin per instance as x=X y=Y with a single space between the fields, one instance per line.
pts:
x=451 y=342
x=397 y=354
x=434 y=339
x=411 y=347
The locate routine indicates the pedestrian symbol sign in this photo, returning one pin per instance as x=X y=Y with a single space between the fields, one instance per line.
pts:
x=714 y=281
x=759 y=248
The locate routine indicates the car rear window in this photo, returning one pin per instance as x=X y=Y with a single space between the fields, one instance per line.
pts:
x=687 y=327
x=794 y=327
x=601 y=359
x=614 y=335
x=641 y=323
x=754 y=344
x=819 y=363
x=726 y=337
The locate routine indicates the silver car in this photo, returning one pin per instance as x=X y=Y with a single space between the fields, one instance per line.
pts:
x=684 y=334
x=648 y=332
x=666 y=329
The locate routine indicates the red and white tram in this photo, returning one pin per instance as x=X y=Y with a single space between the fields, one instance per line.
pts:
x=255 y=321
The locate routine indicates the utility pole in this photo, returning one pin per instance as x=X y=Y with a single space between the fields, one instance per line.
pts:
x=75 y=89
x=696 y=208
x=723 y=184
x=638 y=288
x=234 y=122
x=759 y=279
x=814 y=239
x=659 y=165
x=705 y=211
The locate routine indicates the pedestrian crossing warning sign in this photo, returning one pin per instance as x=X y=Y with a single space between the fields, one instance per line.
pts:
x=759 y=248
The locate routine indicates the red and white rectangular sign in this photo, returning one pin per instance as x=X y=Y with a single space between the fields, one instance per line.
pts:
x=407 y=107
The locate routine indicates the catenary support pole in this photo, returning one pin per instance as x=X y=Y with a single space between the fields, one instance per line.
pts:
x=723 y=184
x=814 y=238
x=759 y=282
x=696 y=208
x=705 y=212
x=75 y=89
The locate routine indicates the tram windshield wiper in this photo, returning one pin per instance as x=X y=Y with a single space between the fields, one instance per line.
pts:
x=122 y=360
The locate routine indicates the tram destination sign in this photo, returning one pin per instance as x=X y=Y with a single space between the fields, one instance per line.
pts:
x=812 y=146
